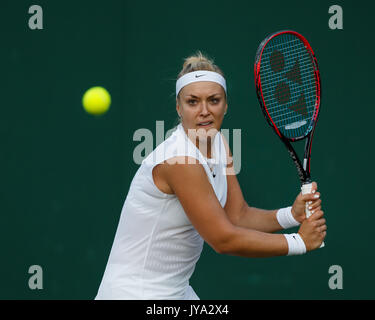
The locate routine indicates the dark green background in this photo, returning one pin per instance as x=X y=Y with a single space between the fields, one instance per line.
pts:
x=65 y=174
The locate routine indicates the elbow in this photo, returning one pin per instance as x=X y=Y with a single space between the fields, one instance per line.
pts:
x=220 y=249
x=236 y=216
x=225 y=248
x=224 y=244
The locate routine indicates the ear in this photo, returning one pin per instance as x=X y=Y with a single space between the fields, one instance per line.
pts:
x=178 y=109
x=226 y=108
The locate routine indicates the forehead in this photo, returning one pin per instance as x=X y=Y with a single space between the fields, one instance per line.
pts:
x=201 y=89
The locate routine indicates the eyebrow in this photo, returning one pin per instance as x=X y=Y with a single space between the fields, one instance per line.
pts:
x=191 y=95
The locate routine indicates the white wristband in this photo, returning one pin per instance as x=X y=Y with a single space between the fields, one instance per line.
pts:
x=285 y=218
x=295 y=244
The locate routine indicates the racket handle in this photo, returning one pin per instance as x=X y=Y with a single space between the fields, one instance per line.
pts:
x=306 y=188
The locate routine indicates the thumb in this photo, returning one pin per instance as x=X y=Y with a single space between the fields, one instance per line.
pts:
x=310 y=196
x=314 y=187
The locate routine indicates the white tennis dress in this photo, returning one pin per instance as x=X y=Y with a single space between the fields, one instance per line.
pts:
x=156 y=247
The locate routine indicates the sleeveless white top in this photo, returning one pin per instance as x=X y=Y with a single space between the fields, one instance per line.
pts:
x=156 y=247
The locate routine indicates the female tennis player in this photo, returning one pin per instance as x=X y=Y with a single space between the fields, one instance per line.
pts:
x=185 y=192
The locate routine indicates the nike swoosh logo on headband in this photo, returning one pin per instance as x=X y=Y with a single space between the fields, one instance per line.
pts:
x=201 y=75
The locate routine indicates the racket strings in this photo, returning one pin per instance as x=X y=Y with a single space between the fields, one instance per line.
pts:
x=291 y=57
x=288 y=84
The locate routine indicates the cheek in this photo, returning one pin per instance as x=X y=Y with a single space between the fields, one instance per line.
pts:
x=189 y=114
x=220 y=110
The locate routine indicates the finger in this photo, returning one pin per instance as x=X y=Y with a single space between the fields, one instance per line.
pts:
x=313 y=210
x=316 y=215
x=319 y=225
x=315 y=205
x=320 y=222
x=310 y=196
x=314 y=187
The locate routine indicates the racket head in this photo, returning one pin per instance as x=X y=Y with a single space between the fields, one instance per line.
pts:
x=288 y=84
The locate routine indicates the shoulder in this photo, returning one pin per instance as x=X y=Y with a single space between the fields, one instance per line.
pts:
x=176 y=172
x=182 y=170
x=181 y=165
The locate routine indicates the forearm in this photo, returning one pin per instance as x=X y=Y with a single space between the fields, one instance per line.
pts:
x=258 y=219
x=254 y=244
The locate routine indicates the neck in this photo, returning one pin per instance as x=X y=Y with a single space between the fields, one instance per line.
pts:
x=205 y=146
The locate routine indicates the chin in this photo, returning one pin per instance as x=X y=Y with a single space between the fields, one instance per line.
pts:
x=207 y=132
x=203 y=132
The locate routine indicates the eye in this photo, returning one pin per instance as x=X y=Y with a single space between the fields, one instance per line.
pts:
x=192 y=101
x=215 y=100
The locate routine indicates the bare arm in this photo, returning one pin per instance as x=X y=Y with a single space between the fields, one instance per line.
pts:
x=238 y=211
x=244 y=216
x=260 y=219
x=190 y=184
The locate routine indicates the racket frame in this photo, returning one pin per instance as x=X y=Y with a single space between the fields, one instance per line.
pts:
x=303 y=169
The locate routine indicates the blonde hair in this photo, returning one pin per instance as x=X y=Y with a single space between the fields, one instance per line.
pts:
x=197 y=62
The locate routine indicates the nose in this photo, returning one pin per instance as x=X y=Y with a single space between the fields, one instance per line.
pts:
x=204 y=110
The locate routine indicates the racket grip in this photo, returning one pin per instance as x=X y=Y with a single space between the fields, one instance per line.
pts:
x=306 y=188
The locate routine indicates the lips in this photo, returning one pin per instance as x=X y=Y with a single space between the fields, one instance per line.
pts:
x=205 y=123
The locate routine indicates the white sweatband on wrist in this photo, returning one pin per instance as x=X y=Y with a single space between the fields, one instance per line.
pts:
x=202 y=75
x=296 y=246
x=285 y=218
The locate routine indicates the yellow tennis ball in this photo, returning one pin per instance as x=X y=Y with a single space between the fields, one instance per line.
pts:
x=96 y=100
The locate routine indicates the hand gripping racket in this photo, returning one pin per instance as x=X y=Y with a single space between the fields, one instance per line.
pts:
x=288 y=87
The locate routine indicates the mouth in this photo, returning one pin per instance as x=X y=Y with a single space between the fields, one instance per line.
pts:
x=205 y=124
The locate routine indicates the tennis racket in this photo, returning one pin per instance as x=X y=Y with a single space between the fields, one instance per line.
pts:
x=288 y=87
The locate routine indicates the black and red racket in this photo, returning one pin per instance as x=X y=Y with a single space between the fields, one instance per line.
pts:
x=288 y=87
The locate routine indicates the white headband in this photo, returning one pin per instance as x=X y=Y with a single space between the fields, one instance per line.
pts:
x=202 y=75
